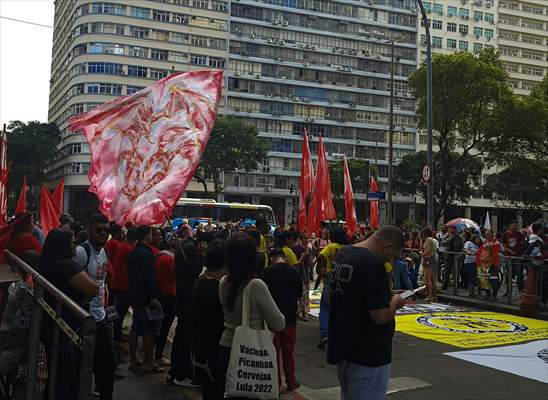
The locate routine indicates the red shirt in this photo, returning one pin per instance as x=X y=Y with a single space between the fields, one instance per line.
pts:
x=155 y=250
x=513 y=241
x=26 y=242
x=165 y=273
x=119 y=267
x=110 y=248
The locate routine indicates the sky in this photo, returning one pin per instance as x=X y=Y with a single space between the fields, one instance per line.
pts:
x=25 y=58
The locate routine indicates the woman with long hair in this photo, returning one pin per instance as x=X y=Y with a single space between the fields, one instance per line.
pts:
x=488 y=266
x=429 y=262
x=241 y=266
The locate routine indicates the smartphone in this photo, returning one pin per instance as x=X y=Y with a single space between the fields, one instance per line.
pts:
x=409 y=293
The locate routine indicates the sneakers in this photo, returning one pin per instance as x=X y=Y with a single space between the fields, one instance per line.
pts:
x=186 y=382
x=323 y=343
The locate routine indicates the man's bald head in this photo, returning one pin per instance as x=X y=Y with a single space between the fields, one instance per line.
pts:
x=390 y=234
x=387 y=243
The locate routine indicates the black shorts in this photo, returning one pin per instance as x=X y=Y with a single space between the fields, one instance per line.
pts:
x=141 y=325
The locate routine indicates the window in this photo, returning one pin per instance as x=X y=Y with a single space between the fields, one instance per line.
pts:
x=423 y=40
x=463 y=29
x=464 y=13
x=105 y=88
x=463 y=45
x=219 y=6
x=203 y=4
x=436 y=41
x=477 y=47
x=451 y=11
x=158 y=73
x=197 y=59
x=162 y=16
x=478 y=32
x=512 y=68
x=488 y=17
x=451 y=27
x=437 y=24
x=489 y=34
x=108 y=8
x=180 y=19
x=531 y=70
x=478 y=16
x=157 y=54
x=133 y=89
x=451 y=44
x=216 y=62
x=427 y=6
x=136 y=51
x=429 y=22
x=200 y=41
x=437 y=8
x=139 y=12
x=139 y=32
x=104 y=68
x=134 y=70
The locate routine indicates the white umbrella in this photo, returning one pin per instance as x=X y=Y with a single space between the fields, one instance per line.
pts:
x=487 y=223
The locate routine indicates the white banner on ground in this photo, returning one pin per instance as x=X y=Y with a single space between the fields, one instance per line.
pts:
x=529 y=360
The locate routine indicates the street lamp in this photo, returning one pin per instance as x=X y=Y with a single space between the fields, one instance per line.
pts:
x=429 y=157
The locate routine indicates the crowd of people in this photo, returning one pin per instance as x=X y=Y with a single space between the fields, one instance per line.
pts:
x=198 y=276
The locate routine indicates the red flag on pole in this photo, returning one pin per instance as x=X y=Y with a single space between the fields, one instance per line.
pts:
x=146 y=147
x=373 y=205
x=349 y=209
x=3 y=177
x=306 y=182
x=50 y=215
x=58 y=196
x=22 y=200
x=6 y=233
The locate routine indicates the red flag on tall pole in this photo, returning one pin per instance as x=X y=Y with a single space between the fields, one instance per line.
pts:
x=21 y=206
x=145 y=148
x=349 y=208
x=373 y=205
x=306 y=182
x=3 y=177
x=328 y=209
x=58 y=195
x=50 y=215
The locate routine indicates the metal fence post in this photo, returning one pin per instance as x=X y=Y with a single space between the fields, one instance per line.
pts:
x=34 y=342
x=53 y=362
x=509 y=290
x=455 y=274
x=86 y=359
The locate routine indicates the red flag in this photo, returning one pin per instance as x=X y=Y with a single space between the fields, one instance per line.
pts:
x=306 y=182
x=6 y=233
x=58 y=196
x=349 y=209
x=373 y=205
x=50 y=215
x=22 y=200
x=3 y=177
x=146 y=147
x=321 y=203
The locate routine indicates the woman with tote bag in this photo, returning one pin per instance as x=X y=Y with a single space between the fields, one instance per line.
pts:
x=251 y=372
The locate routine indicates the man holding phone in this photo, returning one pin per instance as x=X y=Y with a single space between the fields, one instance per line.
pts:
x=362 y=310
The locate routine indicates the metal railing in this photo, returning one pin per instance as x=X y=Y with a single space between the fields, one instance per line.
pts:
x=56 y=346
x=514 y=271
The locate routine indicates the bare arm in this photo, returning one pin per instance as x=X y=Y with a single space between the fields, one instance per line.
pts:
x=381 y=317
x=84 y=285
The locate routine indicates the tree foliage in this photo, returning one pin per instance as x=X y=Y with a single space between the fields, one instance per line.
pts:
x=471 y=99
x=233 y=147
x=32 y=146
x=359 y=176
x=460 y=184
x=523 y=184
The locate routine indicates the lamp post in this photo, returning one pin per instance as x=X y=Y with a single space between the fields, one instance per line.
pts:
x=429 y=156
x=390 y=207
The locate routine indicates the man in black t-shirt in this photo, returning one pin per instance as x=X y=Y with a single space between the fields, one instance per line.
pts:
x=361 y=315
x=286 y=288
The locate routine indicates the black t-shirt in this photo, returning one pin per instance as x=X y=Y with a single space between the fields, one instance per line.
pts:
x=208 y=319
x=286 y=288
x=259 y=264
x=359 y=285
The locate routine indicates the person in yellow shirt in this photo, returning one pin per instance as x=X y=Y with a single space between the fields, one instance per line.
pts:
x=286 y=241
x=325 y=270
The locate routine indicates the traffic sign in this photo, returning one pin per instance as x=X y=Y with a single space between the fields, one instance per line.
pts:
x=376 y=195
x=426 y=173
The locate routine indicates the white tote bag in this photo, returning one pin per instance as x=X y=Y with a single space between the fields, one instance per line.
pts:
x=252 y=370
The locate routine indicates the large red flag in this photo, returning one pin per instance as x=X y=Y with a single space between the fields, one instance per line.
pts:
x=3 y=177
x=22 y=200
x=50 y=215
x=58 y=196
x=146 y=147
x=349 y=209
x=373 y=205
x=6 y=233
x=306 y=182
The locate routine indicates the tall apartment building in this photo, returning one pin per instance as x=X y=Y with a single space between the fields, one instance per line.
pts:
x=323 y=65
x=523 y=41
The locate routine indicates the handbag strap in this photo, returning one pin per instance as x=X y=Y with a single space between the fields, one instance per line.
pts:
x=246 y=307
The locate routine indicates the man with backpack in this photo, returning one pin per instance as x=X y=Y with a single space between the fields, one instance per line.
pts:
x=91 y=256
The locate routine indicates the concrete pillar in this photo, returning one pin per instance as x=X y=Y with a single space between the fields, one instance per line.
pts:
x=382 y=213
x=66 y=201
x=468 y=212
x=288 y=209
x=519 y=219
x=412 y=210
x=255 y=200
x=494 y=222
x=220 y=197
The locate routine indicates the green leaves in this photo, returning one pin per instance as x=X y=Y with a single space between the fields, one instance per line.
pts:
x=359 y=175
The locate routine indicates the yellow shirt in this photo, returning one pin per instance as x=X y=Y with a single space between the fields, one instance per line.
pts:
x=290 y=256
x=263 y=249
x=329 y=253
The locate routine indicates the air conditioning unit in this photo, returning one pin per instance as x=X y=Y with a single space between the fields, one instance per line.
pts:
x=258 y=76
x=339 y=67
x=302 y=45
x=268 y=189
x=285 y=23
x=270 y=40
x=306 y=100
x=313 y=47
x=279 y=59
x=488 y=5
x=236 y=73
x=252 y=36
x=275 y=22
x=282 y=42
x=352 y=105
x=245 y=53
x=306 y=64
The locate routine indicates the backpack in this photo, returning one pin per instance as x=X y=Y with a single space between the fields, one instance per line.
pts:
x=87 y=249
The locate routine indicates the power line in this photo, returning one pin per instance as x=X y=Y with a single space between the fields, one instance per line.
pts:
x=27 y=22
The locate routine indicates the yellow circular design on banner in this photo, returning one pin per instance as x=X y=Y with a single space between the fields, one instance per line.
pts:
x=470 y=324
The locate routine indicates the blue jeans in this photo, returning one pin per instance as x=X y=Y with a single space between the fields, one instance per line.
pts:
x=359 y=382
x=324 y=309
x=400 y=275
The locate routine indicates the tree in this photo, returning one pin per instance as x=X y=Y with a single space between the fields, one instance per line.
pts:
x=359 y=176
x=32 y=147
x=233 y=147
x=523 y=185
x=470 y=98
x=460 y=181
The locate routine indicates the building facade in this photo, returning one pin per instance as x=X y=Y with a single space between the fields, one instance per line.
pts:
x=323 y=65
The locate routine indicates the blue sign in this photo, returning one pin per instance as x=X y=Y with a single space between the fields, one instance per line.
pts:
x=376 y=195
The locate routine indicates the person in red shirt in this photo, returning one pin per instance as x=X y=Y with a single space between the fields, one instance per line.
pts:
x=22 y=239
x=119 y=283
x=165 y=276
x=156 y=242
x=116 y=237
x=513 y=241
